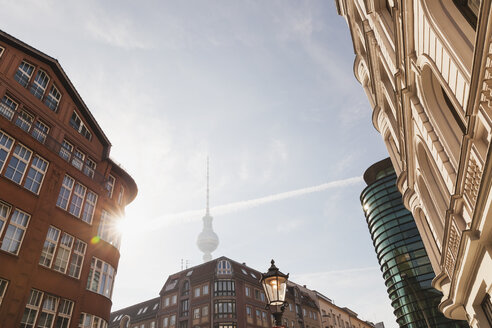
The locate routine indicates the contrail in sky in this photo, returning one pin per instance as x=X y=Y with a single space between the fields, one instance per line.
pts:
x=196 y=215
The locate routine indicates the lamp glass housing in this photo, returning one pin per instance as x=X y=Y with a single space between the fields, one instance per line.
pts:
x=275 y=288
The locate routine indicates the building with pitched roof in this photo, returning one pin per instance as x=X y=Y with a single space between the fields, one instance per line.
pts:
x=61 y=196
x=223 y=293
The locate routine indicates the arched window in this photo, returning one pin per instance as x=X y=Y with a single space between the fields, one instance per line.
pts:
x=469 y=9
x=224 y=267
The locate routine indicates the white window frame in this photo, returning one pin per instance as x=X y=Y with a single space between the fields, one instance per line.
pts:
x=66 y=150
x=23 y=156
x=49 y=306
x=77 y=200
x=108 y=229
x=16 y=221
x=80 y=126
x=5 y=210
x=6 y=145
x=91 y=321
x=2 y=50
x=53 y=98
x=22 y=75
x=65 y=192
x=40 y=131
x=37 y=171
x=65 y=310
x=8 y=107
x=63 y=254
x=49 y=246
x=101 y=277
x=89 y=206
x=4 y=284
x=32 y=306
x=120 y=195
x=77 y=260
x=78 y=159
x=40 y=82
x=196 y=313
x=110 y=185
x=24 y=120
x=89 y=167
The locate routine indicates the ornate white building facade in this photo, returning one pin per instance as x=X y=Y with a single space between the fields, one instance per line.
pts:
x=426 y=67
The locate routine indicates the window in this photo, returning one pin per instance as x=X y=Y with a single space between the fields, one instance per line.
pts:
x=108 y=232
x=66 y=246
x=43 y=310
x=262 y=296
x=8 y=107
x=226 y=325
x=77 y=259
x=24 y=73
x=184 y=308
x=197 y=292
x=166 y=301
x=36 y=174
x=224 y=267
x=172 y=320
x=2 y=49
x=12 y=240
x=247 y=291
x=78 y=159
x=225 y=309
x=40 y=83
x=40 y=131
x=65 y=192
x=183 y=324
x=224 y=288
x=101 y=277
x=486 y=306
x=80 y=199
x=89 y=168
x=205 y=311
x=53 y=98
x=165 y=322
x=18 y=163
x=66 y=150
x=64 y=250
x=174 y=299
x=78 y=125
x=249 y=312
x=49 y=246
x=185 y=290
x=315 y=316
x=469 y=9
x=120 y=199
x=257 y=294
x=205 y=289
x=3 y=289
x=6 y=143
x=196 y=313
x=77 y=198
x=24 y=120
x=91 y=321
x=110 y=185
x=89 y=207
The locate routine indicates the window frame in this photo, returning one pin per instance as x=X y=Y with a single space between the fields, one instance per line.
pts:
x=17 y=226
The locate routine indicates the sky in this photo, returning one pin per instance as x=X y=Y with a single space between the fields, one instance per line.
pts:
x=266 y=90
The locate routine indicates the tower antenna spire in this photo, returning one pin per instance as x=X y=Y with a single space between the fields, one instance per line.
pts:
x=208 y=191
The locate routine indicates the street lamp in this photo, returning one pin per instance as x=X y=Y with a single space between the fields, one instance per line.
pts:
x=275 y=285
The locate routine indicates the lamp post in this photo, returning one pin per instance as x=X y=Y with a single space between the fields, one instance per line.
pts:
x=274 y=284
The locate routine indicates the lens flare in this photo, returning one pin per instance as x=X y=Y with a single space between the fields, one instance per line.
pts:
x=95 y=240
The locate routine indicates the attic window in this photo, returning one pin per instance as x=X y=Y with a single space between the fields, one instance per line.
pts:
x=155 y=306
x=189 y=273
x=253 y=275
x=224 y=267
x=2 y=49
x=78 y=125
x=171 y=284
x=244 y=271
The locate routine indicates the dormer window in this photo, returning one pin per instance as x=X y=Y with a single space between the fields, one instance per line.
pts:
x=2 y=49
x=40 y=83
x=224 y=267
x=24 y=73
x=78 y=125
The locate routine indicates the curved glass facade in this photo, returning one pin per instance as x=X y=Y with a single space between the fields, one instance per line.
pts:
x=407 y=271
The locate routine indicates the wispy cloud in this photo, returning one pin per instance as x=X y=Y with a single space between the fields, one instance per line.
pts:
x=194 y=215
x=118 y=32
